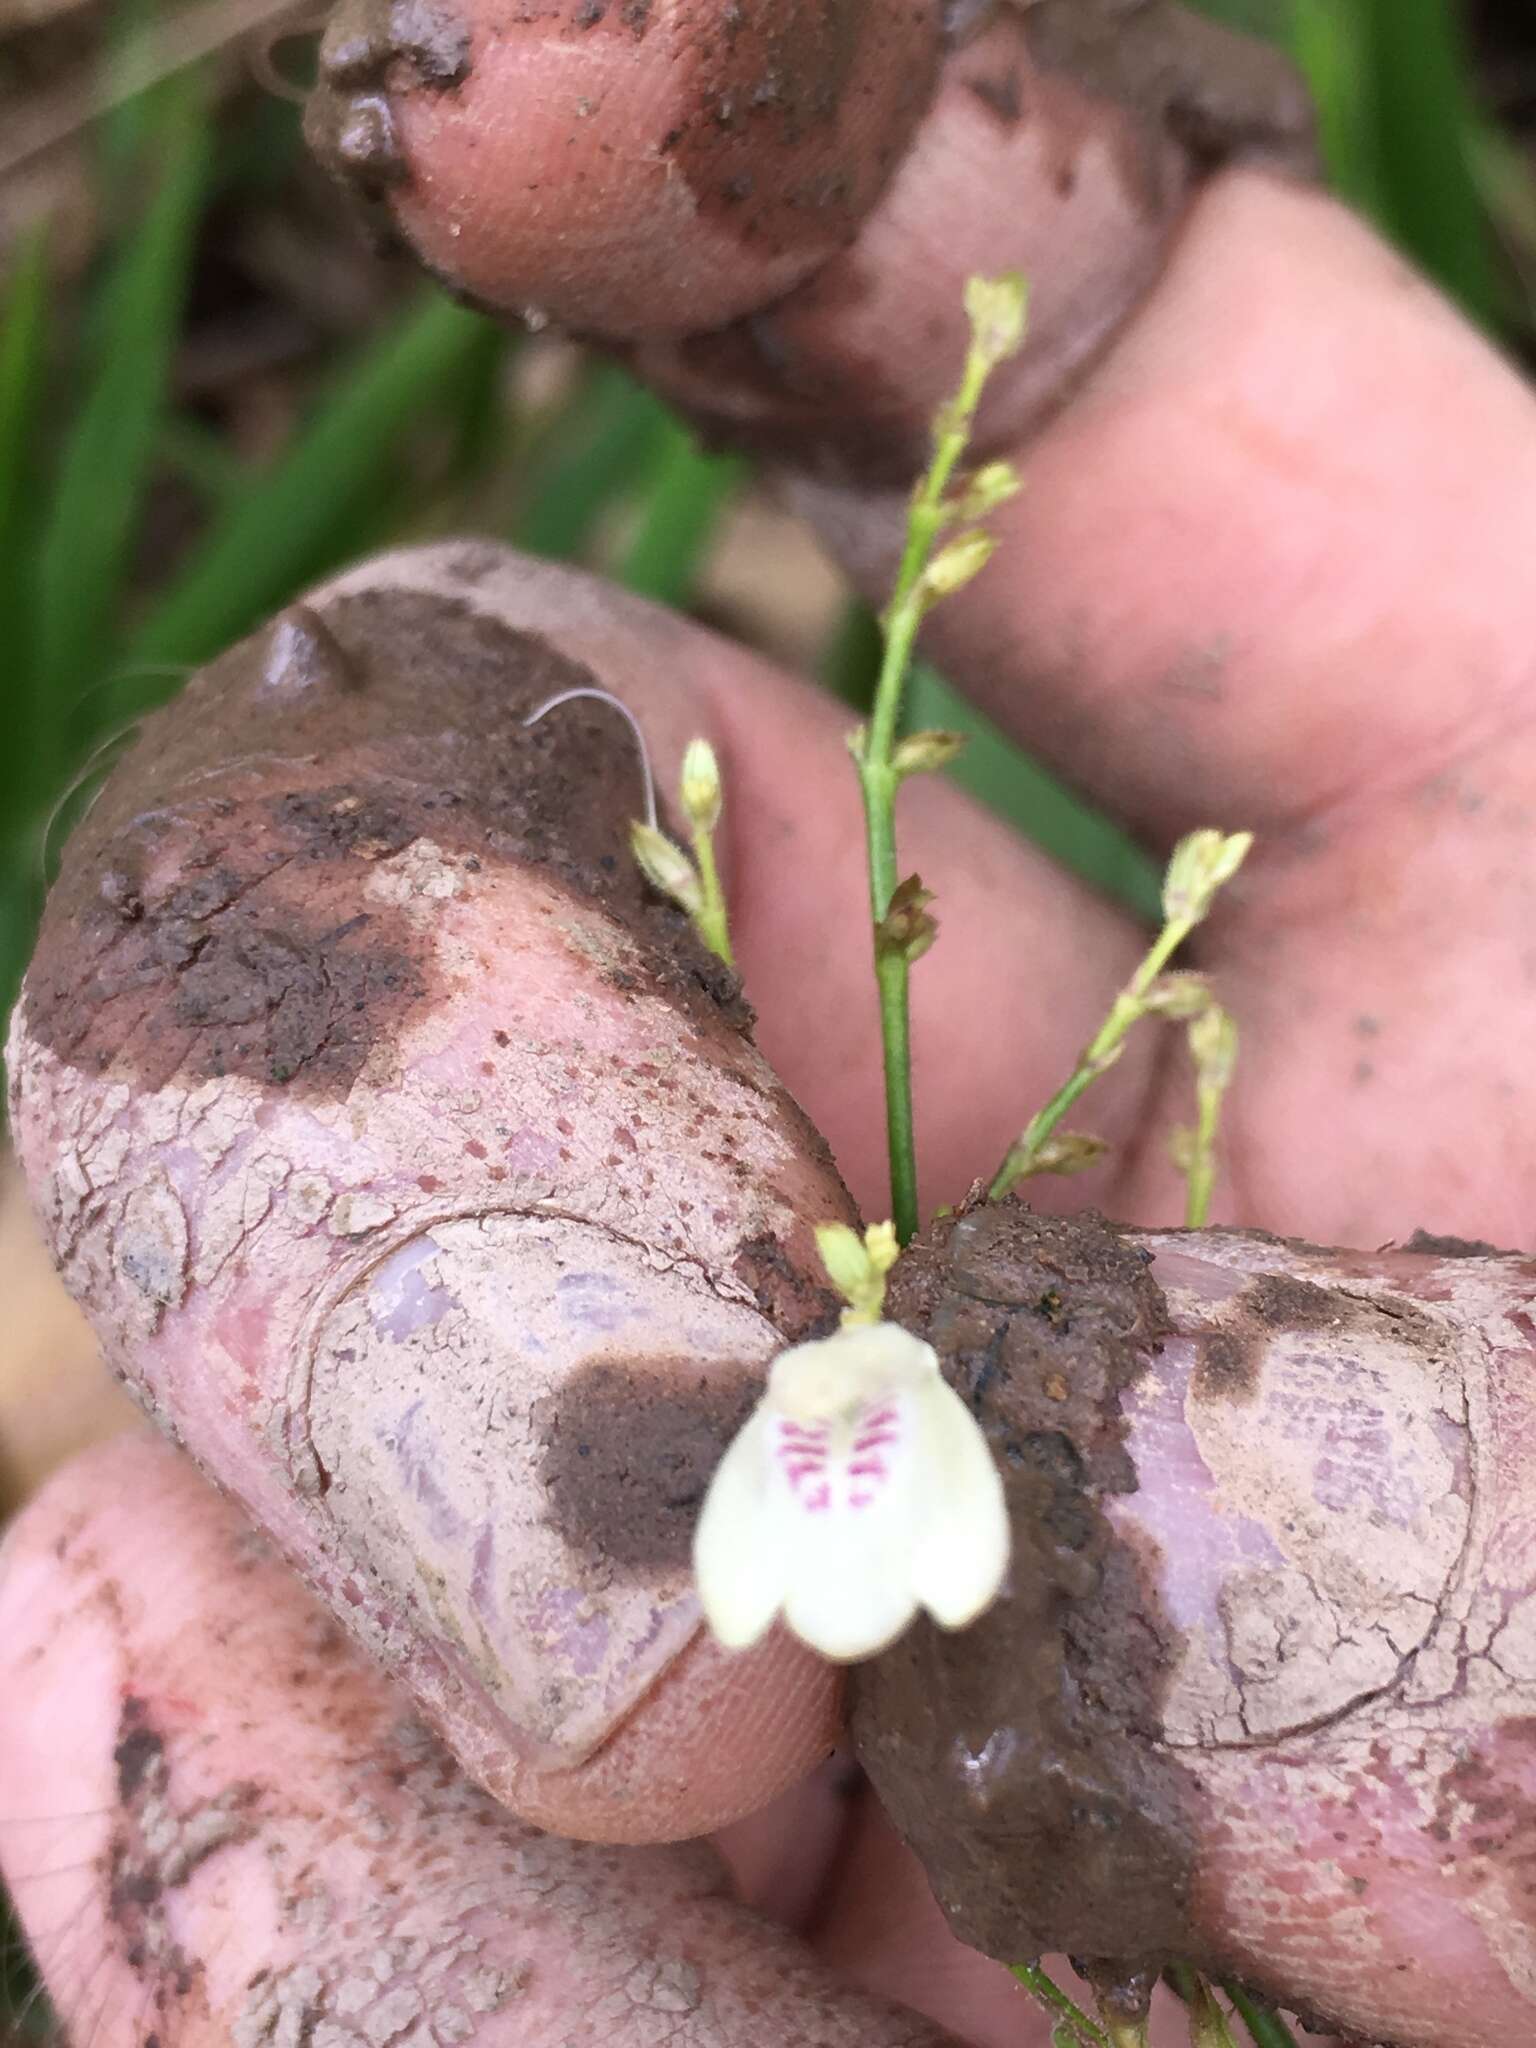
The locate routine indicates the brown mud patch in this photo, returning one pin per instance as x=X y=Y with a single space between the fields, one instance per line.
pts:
x=211 y=916
x=630 y=1447
x=1019 y=1758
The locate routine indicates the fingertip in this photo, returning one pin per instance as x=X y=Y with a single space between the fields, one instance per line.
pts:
x=626 y=166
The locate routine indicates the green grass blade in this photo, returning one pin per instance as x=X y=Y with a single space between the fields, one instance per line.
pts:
x=1264 y=2024
x=687 y=492
x=608 y=435
x=1420 y=95
x=1327 y=42
x=24 y=326
x=107 y=460
x=318 y=504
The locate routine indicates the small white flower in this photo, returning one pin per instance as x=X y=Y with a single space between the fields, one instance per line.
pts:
x=860 y=1489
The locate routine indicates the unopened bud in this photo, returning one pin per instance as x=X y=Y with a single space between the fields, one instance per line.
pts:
x=1201 y=864
x=906 y=927
x=701 y=786
x=857 y=1266
x=1213 y=1045
x=1178 y=997
x=1066 y=1152
x=996 y=309
x=922 y=753
x=954 y=566
x=992 y=485
x=666 y=867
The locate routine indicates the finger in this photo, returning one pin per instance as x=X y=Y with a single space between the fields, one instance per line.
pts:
x=659 y=176
x=1234 y=1704
x=276 y=1849
x=1267 y=568
x=422 y=1178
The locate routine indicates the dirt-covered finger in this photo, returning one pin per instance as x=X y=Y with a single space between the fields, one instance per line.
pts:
x=1259 y=1693
x=778 y=211
x=221 y=1824
x=417 y=1166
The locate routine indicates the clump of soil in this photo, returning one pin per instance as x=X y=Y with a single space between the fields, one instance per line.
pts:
x=1018 y=1759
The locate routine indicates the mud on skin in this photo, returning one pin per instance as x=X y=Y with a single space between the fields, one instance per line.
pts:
x=729 y=161
x=278 y=1854
x=1017 y=1756
x=375 y=1108
x=1272 y=1587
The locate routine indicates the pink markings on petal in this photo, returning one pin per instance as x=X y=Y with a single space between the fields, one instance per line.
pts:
x=801 y=1452
x=823 y=1475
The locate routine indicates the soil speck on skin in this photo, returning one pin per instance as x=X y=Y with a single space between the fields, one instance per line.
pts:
x=1227 y=1367
x=1436 y=1246
x=1016 y=1758
x=138 y=1748
x=628 y=1451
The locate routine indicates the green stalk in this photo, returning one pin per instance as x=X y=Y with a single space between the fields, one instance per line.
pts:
x=1046 y=1992
x=712 y=919
x=1096 y=1058
x=996 y=311
x=1261 y=2020
x=1202 y=862
x=1208 y=2026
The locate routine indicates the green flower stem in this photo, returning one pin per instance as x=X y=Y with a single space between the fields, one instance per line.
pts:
x=711 y=919
x=1046 y=1992
x=1096 y=1058
x=1208 y=2026
x=879 y=779
x=1261 y=2020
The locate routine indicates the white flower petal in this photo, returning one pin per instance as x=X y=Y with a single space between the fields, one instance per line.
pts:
x=860 y=1488
x=848 y=1494
x=740 y=1569
x=962 y=1539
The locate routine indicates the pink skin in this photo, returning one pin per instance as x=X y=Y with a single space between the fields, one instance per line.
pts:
x=1265 y=570
x=296 y=1843
x=685 y=212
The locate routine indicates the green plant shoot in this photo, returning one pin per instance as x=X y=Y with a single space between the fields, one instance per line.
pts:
x=1073 y=2027
x=1201 y=865
x=903 y=927
x=692 y=883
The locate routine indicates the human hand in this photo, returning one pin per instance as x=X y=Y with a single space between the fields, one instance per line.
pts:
x=1266 y=571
